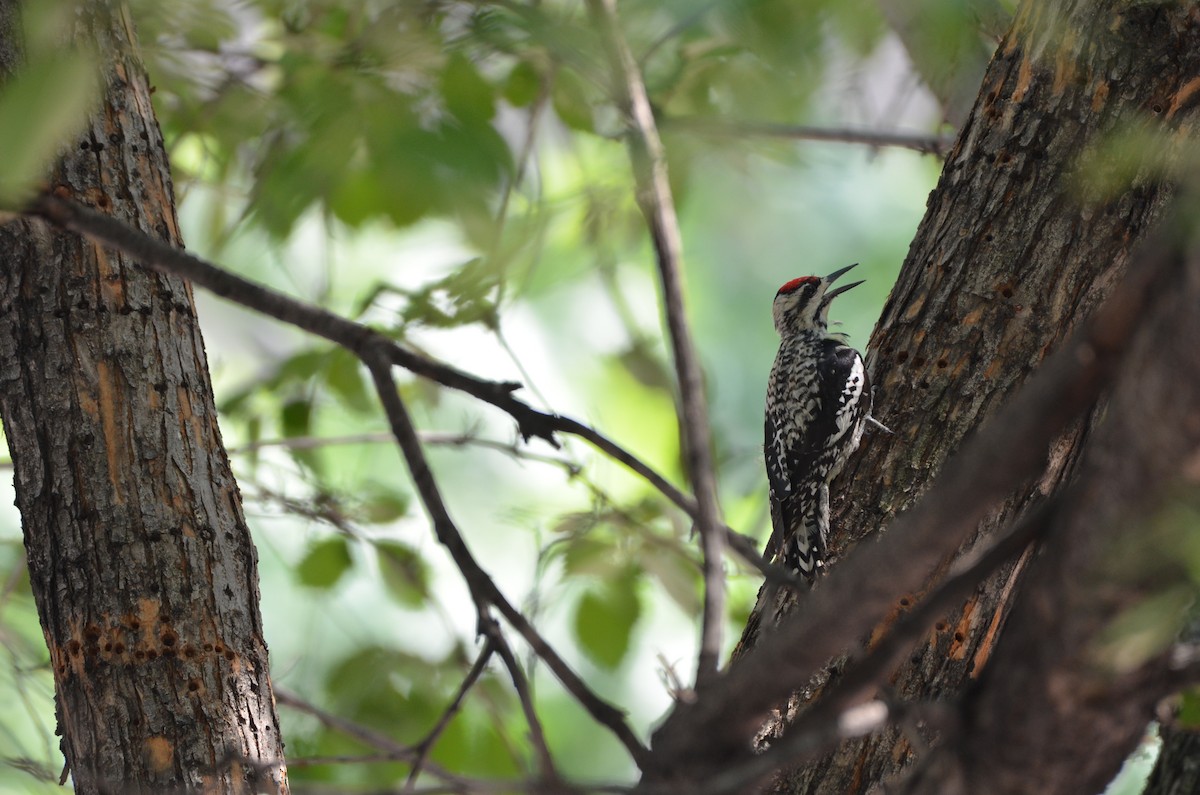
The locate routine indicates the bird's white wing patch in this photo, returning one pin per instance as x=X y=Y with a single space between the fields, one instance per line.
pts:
x=851 y=392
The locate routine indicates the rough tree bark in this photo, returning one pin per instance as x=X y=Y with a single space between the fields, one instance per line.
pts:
x=1067 y=697
x=1177 y=769
x=140 y=559
x=1013 y=252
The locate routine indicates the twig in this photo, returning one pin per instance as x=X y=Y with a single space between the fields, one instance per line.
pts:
x=679 y=27
x=523 y=160
x=919 y=142
x=433 y=438
x=363 y=734
x=423 y=748
x=545 y=762
x=483 y=589
x=657 y=205
x=355 y=337
x=391 y=750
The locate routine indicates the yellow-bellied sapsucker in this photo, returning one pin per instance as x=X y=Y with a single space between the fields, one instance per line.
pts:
x=818 y=400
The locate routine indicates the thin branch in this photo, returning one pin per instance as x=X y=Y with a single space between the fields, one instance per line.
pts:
x=657 y=205
x=523 y=160
x=394 y=750
x=432 y=438
x=356 y=338
x=483 y=589
x=391 y=751
x=679 y=27
x=423 y=748
x=924 y=143
x=521 y=685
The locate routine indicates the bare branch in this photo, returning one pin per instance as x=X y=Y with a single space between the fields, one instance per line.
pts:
x=521 y=684
x=1009 y=448
x=367 y=736
x=925 y=143
x=658 y=207
x=159 y=256
x=432 y=438
x=679 y=27
x=423 y=748
x=483 y=589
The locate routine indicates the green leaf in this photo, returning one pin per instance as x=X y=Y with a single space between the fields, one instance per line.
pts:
x=41 y=107
x=589 y=556
x=647 y=367
x=1189 y=710
x=467 y=95
x=571 y=102
x=344 y=378
x=678 y=578
x=385 y=507
x=301 y=367
x=523 y=84
x=404 y=573
x=325 y=563
x=359 y=197
x=604 y=620
x=295 y=418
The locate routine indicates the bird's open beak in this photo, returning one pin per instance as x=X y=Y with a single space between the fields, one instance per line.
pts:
x=833 y=277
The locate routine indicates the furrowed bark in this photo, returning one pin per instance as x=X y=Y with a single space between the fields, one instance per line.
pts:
x=140 y=559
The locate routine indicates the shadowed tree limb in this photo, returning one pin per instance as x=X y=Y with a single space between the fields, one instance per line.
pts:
x=840 y=713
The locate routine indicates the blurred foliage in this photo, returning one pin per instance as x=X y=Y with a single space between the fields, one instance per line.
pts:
x=1161 y=558
x=44 y=105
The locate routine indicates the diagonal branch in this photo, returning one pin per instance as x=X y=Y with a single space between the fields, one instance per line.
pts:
x=654 y=198
x=483 y=589
x=521 y=684
x=422 y=749
x=356 y=338
x=361 y=733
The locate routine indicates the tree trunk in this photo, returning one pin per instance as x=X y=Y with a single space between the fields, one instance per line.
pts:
x=1177 y=769
x=140 y=559
x=1014 y=250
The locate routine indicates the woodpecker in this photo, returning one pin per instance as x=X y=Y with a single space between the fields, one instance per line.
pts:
x=818 y=400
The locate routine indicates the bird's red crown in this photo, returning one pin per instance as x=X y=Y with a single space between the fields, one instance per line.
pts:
x=794 y=284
